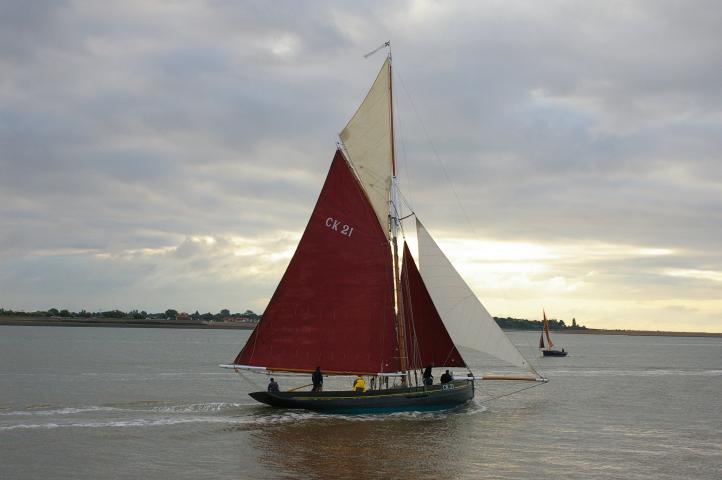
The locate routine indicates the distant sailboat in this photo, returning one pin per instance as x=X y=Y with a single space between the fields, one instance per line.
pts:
x=549 y=350
x=346 y=305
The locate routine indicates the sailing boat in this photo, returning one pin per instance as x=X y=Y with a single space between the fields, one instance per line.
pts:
x=349 y=304
x=550 y=351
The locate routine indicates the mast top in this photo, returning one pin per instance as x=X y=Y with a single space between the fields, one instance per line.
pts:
x=385 y=44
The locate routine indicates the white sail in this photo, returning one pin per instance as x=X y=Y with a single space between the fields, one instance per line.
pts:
x=367 y=139
x=465 y=318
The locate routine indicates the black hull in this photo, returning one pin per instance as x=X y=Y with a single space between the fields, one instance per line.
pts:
x=554 y=353
x=436 y=397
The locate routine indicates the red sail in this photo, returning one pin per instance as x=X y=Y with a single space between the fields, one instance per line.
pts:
x=546 y=330
x=334 y=307
x=427 y=338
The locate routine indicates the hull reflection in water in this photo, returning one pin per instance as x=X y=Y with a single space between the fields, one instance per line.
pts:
x=406 y=445
x=436 y=397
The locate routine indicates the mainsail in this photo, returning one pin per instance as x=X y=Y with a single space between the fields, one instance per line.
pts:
x=428 y=342
x=465 y=318
x=368 y=141
x=334 y=306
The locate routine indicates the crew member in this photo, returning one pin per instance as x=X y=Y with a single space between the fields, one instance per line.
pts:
x=317 y=379
x=427 y=377
x=359 y=385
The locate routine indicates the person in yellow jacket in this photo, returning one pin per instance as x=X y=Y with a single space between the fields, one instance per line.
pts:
x=359 y=385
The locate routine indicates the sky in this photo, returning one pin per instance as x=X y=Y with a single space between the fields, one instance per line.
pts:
x=565 y=155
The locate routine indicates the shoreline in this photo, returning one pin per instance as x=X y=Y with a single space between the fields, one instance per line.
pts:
x=630 y=333
x=21 y=321
x=152 y=323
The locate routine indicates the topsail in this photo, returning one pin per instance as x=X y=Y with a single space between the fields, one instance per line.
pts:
x=368 y=142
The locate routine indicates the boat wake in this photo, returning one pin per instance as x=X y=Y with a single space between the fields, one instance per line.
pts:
x=138 y=422
x=134 y=414
x=129 y=407
x=235 y=416
x=59 y=411
x=474 y=407
x=200 y=407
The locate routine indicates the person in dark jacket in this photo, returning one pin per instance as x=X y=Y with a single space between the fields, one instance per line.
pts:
x=273 y=386
x=317 y=379
x=427 y=377
x=446 y=377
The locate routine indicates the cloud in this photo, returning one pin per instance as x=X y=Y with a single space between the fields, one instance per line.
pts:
x=578 y=138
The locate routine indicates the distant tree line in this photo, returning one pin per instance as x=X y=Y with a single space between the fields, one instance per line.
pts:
x=170 y=314
x=523 y=324
x=249 y=315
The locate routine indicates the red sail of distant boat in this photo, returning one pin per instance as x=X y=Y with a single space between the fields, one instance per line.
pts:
x=545 y=332
x=334 y=306
x=428 y=342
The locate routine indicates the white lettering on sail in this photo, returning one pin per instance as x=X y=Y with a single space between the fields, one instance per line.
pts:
x=334 y=224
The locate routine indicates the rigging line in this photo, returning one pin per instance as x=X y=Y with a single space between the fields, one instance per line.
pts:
x=529 y=361
x=443 y=168
x=412 y=214
x=406 y=201
x=436 y=155
x=383 y=329
x=446 y=175
x=399 y=137
x=511 y=393
x=249 y=380
x=451 y=350
x=415 y=342
x=398 y=217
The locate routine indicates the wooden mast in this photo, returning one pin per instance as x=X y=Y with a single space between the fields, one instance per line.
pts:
x=394 y=224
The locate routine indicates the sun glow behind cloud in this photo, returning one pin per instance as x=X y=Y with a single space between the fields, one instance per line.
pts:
x=577 y=280
x=712 y=275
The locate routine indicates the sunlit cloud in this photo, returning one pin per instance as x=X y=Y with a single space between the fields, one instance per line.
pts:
x=569 y=278
x=714 y=276
x=284 y=46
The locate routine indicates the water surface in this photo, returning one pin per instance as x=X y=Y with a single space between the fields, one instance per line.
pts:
x=116 y=403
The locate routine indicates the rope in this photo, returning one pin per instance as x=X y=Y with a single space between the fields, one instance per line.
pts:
x=298 y=388
x=437 y=157
x=248 y=379
x=534 y=369
x=511 y=393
